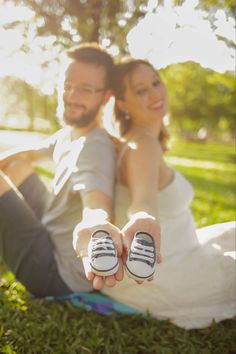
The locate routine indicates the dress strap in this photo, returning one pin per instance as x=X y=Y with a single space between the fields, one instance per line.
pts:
x=121 y=155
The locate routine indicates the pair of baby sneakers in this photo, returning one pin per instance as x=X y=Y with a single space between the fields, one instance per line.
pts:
x=141 y=261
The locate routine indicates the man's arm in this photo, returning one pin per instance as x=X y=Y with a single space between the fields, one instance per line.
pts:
x=31 y=153
x=96 y=215
x=96 y=172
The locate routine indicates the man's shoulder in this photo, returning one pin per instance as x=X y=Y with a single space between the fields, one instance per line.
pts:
x=98 y=146
x=60 y=134
x=63 y=132
x=100 y=136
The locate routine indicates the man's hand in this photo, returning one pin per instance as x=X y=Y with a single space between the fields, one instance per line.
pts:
x=81 y=237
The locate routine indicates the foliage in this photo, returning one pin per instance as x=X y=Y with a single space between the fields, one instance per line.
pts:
x=228 y=5
x=200 y=97
x=98 y=20
x=91 y=20
x=35 y=327
x=26 y=104
x=213 y=5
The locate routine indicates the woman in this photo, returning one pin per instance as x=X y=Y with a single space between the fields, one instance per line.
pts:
x=195 y=281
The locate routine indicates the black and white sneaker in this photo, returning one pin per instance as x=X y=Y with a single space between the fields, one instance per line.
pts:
x=141 y=262
x=102 y=254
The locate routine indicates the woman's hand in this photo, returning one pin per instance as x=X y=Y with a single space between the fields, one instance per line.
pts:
x=144 y=222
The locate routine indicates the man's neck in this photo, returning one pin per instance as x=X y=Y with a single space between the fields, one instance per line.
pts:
x=77 y=132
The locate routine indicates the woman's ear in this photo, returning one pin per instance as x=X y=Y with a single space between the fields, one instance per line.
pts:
x=121 y=105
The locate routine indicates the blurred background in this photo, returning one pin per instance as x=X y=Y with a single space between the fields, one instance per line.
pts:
x=192 y=43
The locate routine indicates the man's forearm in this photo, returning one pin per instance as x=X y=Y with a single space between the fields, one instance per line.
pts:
x=97 y=206
x=29 y=154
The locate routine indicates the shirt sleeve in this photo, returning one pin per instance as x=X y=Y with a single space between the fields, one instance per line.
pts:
x=96 y=167
x=47 y=144
x=50 y=142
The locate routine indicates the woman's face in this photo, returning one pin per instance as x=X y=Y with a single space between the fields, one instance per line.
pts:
x=145 y=97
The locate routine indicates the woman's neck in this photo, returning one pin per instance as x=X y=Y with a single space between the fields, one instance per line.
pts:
x=140 y=130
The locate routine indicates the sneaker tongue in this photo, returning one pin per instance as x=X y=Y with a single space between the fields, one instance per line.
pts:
x=143 y=239
x=143 y=242
x=101 y=233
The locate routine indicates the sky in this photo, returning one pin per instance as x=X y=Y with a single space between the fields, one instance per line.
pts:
x=166 y=35
x=174 y=35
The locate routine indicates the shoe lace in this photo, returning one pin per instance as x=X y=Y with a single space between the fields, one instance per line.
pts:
x=143 y=252
x=103 y=247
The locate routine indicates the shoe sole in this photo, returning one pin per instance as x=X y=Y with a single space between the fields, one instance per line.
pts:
x=107 y=272
x=136 y=277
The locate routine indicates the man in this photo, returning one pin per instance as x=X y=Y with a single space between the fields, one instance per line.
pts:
x=36 y=226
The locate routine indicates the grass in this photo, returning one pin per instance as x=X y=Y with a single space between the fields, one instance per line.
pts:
x=211 y=170
x=31 y=326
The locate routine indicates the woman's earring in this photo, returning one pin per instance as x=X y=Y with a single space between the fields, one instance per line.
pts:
x=127 y=116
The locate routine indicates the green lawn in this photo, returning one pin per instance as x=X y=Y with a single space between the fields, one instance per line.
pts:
x=29 y=326
x=211 y=170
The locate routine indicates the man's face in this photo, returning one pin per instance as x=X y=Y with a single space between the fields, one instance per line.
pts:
x=84 y=93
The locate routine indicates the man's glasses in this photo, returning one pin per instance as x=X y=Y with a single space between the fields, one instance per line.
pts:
x=85 y=91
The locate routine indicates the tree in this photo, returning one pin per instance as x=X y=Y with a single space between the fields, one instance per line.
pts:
x=103 y=21
x=90 y=20
x=196 y=94
x=212 y=5
x=200 y=97
x=227 y=5
x=25 y=105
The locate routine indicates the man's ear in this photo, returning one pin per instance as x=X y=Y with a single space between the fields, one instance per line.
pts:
x=107 y=96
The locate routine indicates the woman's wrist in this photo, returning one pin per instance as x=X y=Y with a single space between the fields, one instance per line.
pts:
x=140 y=215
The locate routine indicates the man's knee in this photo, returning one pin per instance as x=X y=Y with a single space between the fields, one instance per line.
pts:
x=5 y=183
x=18 y=170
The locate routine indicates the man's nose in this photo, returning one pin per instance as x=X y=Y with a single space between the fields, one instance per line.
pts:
x=72 y=95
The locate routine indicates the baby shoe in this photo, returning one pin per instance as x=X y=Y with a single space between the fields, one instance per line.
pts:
x=102 y=254
x=141 y=261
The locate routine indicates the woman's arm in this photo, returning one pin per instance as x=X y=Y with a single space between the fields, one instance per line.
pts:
x=142 y=176
x=142 y=165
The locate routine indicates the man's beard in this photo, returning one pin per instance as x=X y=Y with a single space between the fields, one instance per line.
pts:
x=82 y=120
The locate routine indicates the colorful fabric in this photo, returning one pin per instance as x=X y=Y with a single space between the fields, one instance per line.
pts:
x=95 y=302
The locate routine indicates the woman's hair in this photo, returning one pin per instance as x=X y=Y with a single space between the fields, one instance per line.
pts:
x=121 y=124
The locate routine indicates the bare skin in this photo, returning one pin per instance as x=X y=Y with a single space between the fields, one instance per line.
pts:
x=14 y=174
x=143 y=169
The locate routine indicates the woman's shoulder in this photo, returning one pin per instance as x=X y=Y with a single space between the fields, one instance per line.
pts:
x=144 y=139
x=145 y=145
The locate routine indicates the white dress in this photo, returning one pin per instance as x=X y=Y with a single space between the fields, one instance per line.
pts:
x=195 y=283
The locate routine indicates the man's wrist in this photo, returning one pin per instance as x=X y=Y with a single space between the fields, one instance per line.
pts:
x=95 y=216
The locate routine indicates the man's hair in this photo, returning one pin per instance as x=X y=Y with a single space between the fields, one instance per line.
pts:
x=92 y=53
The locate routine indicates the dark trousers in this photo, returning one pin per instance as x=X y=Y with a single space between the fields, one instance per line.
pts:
x=25 y=245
